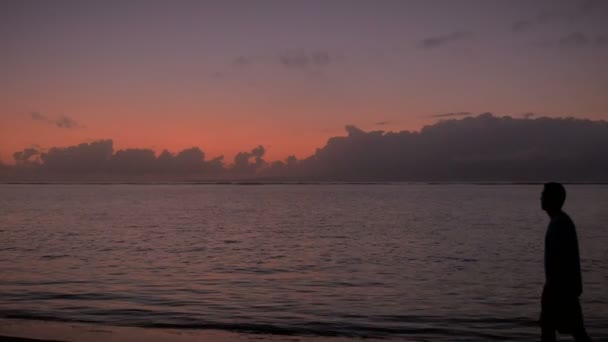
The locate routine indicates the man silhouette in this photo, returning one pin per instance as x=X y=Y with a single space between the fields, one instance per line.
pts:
x=560 y=305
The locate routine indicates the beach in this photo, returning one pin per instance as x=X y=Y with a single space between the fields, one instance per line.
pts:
x=17 y=330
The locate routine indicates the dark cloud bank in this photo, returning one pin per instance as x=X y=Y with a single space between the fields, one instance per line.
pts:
x=475 y=148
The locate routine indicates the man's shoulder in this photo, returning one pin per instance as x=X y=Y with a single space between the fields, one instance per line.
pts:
x=562 y=219
x=562 y=224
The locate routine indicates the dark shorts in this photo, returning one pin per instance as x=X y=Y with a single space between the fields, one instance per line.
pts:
x=561 y=312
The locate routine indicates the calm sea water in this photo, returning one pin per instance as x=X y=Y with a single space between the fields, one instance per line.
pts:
x=419 y=262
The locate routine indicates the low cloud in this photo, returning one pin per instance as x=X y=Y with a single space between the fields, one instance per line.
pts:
x=480 y=148
x=473 y=148
x=450 y=115
x=61 y=122
x=28 y=155
x=100 y=158
x=528 y=115
x=249 y=162
x=437 y=41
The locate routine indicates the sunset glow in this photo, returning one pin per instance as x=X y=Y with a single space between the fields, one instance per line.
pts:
x=229 y=76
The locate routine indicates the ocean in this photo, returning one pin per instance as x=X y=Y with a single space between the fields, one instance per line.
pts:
x=420 y=262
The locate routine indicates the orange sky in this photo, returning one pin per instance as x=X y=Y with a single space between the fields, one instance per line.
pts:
x=226 y=132
x=229 y=77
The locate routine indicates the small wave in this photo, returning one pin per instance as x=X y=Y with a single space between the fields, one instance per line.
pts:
x=46 y=282
x=453 y=329
x=45 y=295
x=52 y=257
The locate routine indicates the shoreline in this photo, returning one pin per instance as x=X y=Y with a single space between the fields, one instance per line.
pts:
x=254 y=183
x=23 y=339
x=21 y=330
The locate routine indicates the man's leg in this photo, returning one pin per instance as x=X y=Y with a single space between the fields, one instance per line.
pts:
x=547 y=332
x=580 y=335
x=547 y=326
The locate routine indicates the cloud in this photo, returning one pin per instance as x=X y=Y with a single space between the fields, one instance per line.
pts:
x=382 y=123
x=98 y=158
x=528 y=115
x=243 y=164
x=242 y=62
x=66 y=122
x=579 y=39
x=448 y=115
x=587 y=10
x=574 y=39
x=85 y=157
x=38 y=116
x=481 y=148
x=437 y=41
x=587 y=7
x=296 y=59
x=522 y=25
x=302 y=59
x=61 y=122
x=602 y=40
x=26 y=156
x=133 y=160
x=472 y=148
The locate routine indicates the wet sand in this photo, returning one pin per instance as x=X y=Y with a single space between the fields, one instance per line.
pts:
x=16 y=330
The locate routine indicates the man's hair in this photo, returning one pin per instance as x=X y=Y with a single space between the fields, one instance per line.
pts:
x=555 y=193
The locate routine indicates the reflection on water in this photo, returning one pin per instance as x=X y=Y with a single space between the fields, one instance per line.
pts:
x=443 y=262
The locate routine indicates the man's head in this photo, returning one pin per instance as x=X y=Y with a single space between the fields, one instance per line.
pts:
x=553 y=197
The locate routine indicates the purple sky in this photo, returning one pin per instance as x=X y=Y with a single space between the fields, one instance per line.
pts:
x=230 y=75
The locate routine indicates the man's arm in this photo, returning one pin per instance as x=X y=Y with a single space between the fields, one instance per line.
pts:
x=563 y=269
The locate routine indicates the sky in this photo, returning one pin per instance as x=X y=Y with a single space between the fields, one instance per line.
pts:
x=228 y=76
